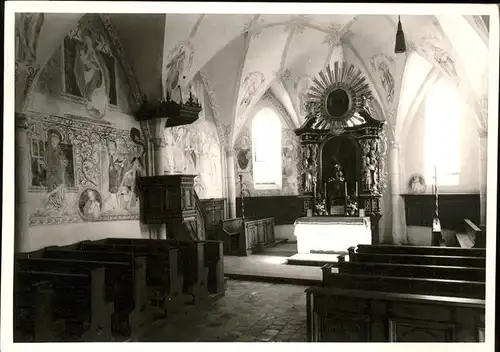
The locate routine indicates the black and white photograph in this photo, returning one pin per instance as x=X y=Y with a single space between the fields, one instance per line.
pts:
x=249 y=172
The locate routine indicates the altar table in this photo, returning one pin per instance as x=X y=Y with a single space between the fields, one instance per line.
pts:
x=331 y=234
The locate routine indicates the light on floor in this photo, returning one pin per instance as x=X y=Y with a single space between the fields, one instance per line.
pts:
x=275 y=260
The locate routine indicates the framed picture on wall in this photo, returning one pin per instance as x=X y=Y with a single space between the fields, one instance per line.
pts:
x=416 y=184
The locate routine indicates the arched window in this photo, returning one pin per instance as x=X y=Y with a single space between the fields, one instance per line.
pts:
x=266 y=150
x=443 y=115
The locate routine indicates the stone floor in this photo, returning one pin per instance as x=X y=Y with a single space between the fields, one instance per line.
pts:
x=250 y=312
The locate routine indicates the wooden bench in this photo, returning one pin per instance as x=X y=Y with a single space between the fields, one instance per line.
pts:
x=243 y=237
x=454 y=288
x=473 y=238
x=418 y=250
x=343 y=315
x=213 y=257
x=163 y=279
x=33 y=319
x=234 y=237
x=133 y=312
x=446 y=260
x=407 y=270
x=78 y=300
x=191 y=263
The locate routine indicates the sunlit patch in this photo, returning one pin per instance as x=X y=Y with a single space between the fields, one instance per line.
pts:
x=275 y=260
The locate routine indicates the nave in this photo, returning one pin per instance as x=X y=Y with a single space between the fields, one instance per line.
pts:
x=251 y=177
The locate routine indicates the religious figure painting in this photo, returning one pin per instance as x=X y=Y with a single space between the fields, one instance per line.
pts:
x=90 y=204
x=52 y=167
x=380 y=65
x=28 y=27
x=195 y=149
x=416 y=184
x=250 y=86
x=243 y=157
x=89 y=71
x=178 y=62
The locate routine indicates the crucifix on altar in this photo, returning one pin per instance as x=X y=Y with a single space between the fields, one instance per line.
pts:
x=437 y=236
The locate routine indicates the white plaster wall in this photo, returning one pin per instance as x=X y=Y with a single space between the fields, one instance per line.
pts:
x=61 y=235
x=284 y=231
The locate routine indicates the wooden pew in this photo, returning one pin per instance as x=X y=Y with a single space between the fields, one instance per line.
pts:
x=419 y=250
x=33 y=319
x=407 y=270
x=446 y=260
x=473 y=237
x=163 y=280
x=79 y=300
x=343 y=315
x=454 y=288
x=213 y=257
x=133 y=312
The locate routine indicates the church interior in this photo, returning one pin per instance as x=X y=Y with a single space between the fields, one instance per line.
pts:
x=250 y=177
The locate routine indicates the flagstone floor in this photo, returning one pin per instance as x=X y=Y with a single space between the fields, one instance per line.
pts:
x=249 y=312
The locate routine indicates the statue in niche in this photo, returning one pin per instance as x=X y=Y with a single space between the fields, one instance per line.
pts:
x=370 y=176
x=337 y=181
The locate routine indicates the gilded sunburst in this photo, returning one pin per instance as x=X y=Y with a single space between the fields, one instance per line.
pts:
x=337 y=95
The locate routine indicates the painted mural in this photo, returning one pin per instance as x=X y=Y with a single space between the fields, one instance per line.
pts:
x=195 y=149
x=178 y=61
x=83 y=171
x=289 y=164
x=27 y=31
x=250 y=86
x=433 y=50
x=90 y=70
x=381 y=64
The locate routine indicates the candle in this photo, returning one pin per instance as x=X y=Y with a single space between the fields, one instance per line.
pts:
x=345 y=188
x=356 y=188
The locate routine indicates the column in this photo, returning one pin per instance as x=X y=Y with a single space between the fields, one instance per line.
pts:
x=483 y=174
x=231 y=182
x=21 y=212
x=397 y=235
x=158 y=147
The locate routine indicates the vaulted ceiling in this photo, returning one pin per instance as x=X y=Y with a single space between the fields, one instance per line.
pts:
x=240 y=58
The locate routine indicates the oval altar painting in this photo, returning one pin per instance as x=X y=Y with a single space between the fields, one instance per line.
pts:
x=90 y=204
x=243 y=158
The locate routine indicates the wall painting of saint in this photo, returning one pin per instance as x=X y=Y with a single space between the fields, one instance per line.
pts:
x=89 y=71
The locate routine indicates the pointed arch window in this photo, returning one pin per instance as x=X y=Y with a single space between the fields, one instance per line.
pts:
x=266 y=150
x=443 y=115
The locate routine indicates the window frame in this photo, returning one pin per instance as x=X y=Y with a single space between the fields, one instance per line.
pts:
x=273 y=162
x=443 y=90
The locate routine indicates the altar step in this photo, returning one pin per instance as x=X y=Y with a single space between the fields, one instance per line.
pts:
x=312 y=259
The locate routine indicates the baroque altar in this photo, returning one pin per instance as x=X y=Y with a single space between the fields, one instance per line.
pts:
x=344 y=151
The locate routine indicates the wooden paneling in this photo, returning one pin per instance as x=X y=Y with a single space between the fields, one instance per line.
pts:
x=284 y=209
x=453 y=209
x=340 y=315
x=214 y=209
